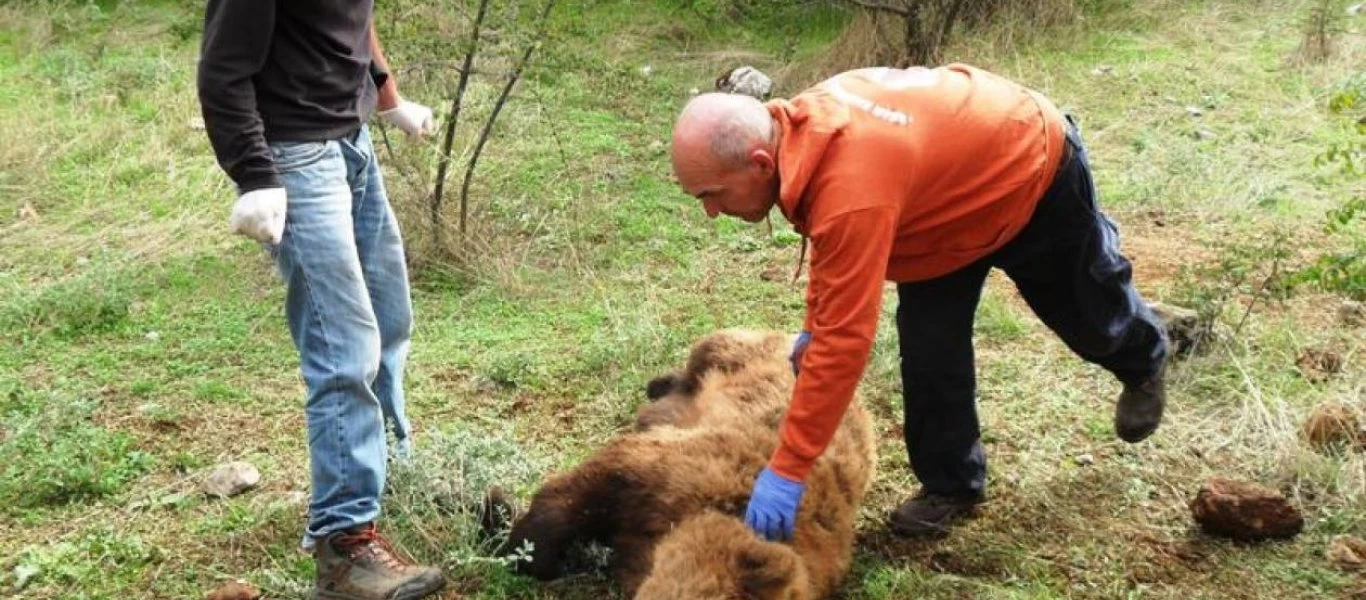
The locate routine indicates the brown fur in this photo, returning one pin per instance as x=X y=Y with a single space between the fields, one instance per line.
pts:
x=668 y=498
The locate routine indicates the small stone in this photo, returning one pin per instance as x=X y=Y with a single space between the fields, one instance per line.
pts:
x=1352 y=313
x=23 y=573
x=1086 y=460
x=647 y=70
x=1334 y=423
x=1102 y=70
x=1244 y=511
x=231 y=479
x=656 y=146
x=236 y=590
x=1204 y=134
x=152 y=336
x=196 y=123
x=1347 y=553
x=1194 y=111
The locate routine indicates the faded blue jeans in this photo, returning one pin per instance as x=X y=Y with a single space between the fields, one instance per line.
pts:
x=350 y=314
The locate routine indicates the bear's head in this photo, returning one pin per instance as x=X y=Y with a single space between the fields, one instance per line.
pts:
x=740 y=355
x=714 y=556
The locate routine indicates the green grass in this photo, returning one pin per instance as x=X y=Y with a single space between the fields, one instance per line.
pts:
x=142 y=344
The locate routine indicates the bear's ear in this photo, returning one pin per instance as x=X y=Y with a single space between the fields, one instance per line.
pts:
x=766 y=569
x=660 y=387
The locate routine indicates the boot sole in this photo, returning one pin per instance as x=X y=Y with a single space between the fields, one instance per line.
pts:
x=414 y=593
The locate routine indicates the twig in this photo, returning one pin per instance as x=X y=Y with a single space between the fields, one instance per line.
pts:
x=450 y=127
x=1275 y=269
x=498 y=106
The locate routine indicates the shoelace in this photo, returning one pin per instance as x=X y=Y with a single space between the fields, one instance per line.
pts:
x=369 y=541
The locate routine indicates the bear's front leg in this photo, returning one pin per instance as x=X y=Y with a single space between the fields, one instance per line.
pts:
x=570 y=507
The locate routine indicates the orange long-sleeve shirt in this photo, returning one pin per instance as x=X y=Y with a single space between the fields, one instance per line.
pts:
x=900 y=175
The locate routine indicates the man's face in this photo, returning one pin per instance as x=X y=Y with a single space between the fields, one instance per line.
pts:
x=746 y=191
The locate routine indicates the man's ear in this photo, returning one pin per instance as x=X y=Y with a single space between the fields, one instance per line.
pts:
x=763 y=159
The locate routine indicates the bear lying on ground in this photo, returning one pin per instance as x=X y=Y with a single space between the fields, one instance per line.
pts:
x=669 y=498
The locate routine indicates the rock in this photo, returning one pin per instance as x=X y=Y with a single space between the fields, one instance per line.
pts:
x=231 y=479
x=236 y=590
x=1086 y=460
x=1347 y=553
x=1194 y=111
x=656 y=146
x=647 y=70
x=1185 y=332
x=745 y=80
x=1317 y=365
x=1102 y=70
x=1244 y=511
x=152 y=336
x=1203 y=134
x=1352 y=313
x=1334 y=423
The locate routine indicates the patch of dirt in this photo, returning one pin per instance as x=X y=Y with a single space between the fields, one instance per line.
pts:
x=1158 y=246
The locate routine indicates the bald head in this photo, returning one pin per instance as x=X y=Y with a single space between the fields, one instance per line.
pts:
x=725 y=154
x=727 y=127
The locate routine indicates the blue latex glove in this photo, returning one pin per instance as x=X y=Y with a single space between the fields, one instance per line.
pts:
x=798 y=349
x=772 y=511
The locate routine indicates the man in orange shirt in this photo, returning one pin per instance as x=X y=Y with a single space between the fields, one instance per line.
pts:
x=928 y=178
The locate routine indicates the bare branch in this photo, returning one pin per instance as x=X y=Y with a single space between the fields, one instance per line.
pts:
x=437 y=226
x=497 y=107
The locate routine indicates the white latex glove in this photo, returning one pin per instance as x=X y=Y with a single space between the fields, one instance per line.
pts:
x=260 y=215
x=413 y=118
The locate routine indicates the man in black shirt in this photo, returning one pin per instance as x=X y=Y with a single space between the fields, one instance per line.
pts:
x=286 y=90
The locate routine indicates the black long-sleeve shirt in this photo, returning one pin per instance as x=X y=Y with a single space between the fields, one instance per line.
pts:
x=283 y=70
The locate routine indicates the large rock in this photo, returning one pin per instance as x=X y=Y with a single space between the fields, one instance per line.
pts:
x=1335 y=424
x=1185 y=331
x=745 y=80
x=231 y=479
x=1244 y=511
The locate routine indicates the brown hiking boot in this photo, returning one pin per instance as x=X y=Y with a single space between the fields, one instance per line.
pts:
x=927 y=514
x=1139 y=410
x=358 y=564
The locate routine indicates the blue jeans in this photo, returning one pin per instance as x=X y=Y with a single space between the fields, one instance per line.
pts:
x=350 y=315
x=1067 y=265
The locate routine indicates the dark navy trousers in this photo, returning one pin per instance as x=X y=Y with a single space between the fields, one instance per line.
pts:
x=1067 y=265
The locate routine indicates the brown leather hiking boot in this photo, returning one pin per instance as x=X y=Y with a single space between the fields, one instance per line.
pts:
x=928 y=514
x=1139 y=410
x=359 y=564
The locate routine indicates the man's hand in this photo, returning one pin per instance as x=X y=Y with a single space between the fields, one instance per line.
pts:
x=260 y=215
x=413 y=118
x=772 y=510
x=798 y=349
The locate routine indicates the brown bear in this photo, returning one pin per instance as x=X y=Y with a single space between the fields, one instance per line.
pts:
x=669 y=497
